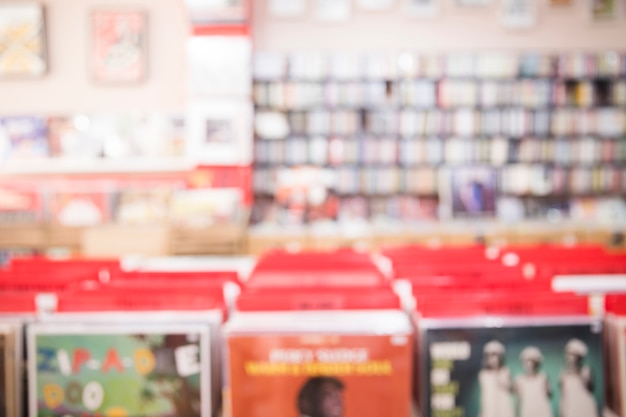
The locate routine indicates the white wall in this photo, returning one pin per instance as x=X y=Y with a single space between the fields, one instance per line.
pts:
x=68 y=87
x=455 y=29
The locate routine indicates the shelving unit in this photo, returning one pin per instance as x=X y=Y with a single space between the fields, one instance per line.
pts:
x=544 y=125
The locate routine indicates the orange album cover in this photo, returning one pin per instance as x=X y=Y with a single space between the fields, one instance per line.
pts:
x=319 y=376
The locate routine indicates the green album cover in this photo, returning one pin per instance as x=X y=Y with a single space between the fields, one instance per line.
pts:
x=123 y=374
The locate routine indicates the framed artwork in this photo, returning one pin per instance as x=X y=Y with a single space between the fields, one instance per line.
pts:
x=375 y=5
x=119 y=46
x=560 y=3
x=605 y=10
x=287 y=8
x=519 y=14
x=22 y=40
x=218 y=12
x=336 y=11
x=220 y=132
x=423 y=9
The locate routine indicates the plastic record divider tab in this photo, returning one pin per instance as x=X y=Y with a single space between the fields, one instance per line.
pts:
x=615 y=350
x=135 y=347
x=16 y=309
x=519 y=350
x=318 y=350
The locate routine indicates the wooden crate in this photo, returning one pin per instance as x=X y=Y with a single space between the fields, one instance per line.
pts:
x=115 y=241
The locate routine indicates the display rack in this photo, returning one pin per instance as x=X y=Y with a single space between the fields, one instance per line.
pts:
x=546 y=131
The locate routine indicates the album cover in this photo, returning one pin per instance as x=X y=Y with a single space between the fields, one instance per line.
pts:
x=20 y=203
x=468 y=191
x=75 y=206
x=10 y=370
x=205 y=207
x=70 y=137
x=146 y=205
x=4 y=365
x=544 y=369
x=615 y=344
x=148 y=370
x=319 y=375
x=23 y=138
x=220 y=132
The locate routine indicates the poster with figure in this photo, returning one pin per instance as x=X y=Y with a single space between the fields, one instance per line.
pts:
x=22 y=40
x=122 y=371
x=119 y=46
x=468 y=192
x=321 y=375
x=518 y=370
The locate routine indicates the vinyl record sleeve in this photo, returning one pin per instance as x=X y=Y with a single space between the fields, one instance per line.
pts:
x=460 y=376
x=149 y=370
x=212 y=319
x=10 y=369
x=353 y=363
x=616 y=369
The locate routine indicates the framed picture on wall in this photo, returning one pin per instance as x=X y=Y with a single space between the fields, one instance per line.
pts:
x=560 y=3
x=119 y=46
x=287 y=8
x=22 y=40
x=333 y=10
x=375 y=5
x=218 y=12
x=605 y=10
x=518 y=14
x=423 y=9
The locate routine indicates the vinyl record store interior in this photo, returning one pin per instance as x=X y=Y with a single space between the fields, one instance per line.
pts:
x=313 y=208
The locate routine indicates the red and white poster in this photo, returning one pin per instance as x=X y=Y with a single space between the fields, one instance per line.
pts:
x=119 y=46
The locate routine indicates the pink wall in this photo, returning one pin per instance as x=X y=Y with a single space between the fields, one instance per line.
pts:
x=455 y=29
x=67 y=87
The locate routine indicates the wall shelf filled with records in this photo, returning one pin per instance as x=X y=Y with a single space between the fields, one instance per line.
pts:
x=200 y=210
x=409 y=138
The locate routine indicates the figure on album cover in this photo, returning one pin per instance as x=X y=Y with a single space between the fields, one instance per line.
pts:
x=533 y=387
x=577 y=398
x=321 y=397
x=496 y=385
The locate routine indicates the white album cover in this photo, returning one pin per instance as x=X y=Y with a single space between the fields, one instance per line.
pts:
x=219 y=132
